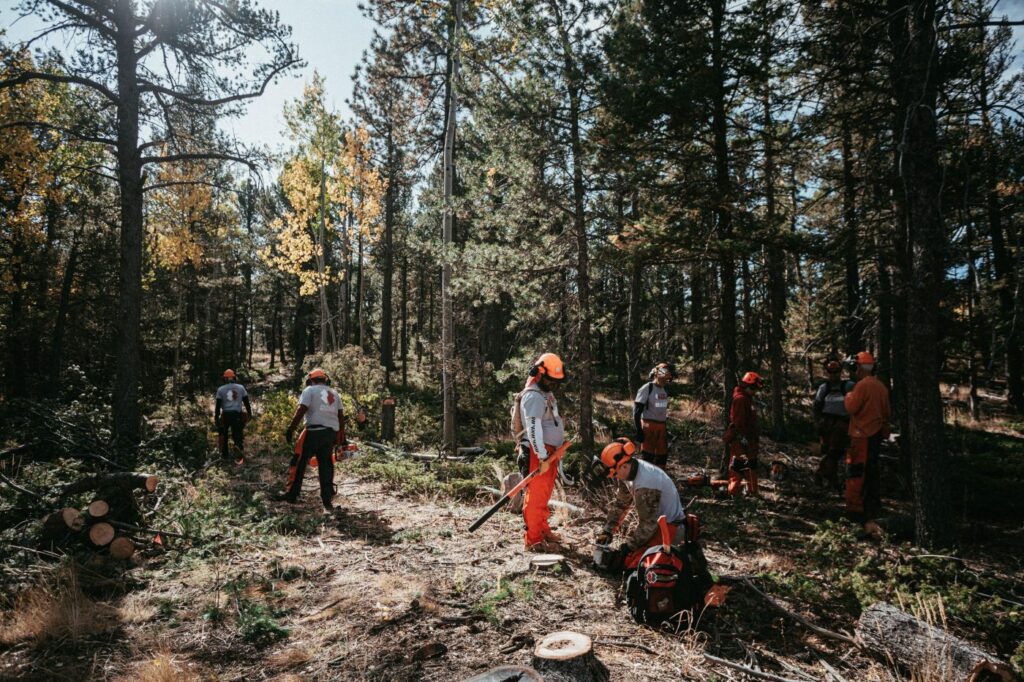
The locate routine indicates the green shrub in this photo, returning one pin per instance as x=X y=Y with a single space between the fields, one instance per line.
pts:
x=258 y=624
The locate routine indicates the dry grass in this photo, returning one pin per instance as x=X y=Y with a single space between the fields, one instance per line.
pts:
x=162 y=668
x=290 y=657
x=56 y=609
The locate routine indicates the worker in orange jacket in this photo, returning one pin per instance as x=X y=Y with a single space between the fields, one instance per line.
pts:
x=868 y=407
x=543 y=433
x=743 y=434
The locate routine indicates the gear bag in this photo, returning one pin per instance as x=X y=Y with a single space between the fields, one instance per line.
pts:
x=666 y=583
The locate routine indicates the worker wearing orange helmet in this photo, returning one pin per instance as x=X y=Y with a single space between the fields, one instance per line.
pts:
x=543 y=433
x=868 y=407
x=650 y=412
x=321 y=406
x=743 y=434
x=228 y=416
x=649 y=489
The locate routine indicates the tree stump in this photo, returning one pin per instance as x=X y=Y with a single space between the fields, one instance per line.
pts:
x=387 y=420
x=515 y=505
x=568 y=657
x=924 y=649
x=508 y=673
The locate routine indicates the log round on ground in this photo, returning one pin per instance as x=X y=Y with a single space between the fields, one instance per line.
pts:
x=122 y=547
x=72 y=518
x=97 y=509
x=123 y=479
x=565 y=656
x=920 y=647
x=100 y=534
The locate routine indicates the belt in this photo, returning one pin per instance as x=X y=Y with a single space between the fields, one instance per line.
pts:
x=653 y=421
x=318 y=427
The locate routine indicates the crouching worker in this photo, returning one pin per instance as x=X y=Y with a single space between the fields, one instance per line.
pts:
x=321 y=406
x=648 y=488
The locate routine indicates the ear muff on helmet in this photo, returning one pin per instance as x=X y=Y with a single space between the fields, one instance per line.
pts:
x=616 y=454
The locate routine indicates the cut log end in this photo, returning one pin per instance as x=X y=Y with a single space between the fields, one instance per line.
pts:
x=100 y=534
x=97 y=509
x=72 y=518
x=568 y=656
x=122 y=548
x=150 y=484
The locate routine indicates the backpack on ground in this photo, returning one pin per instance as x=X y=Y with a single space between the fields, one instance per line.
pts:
x=666 y=583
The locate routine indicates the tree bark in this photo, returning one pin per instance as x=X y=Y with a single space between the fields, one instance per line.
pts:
x=775 y=261
x=916 y=58
x=448 y=437
x=633 y=324
x=386 y=353
x=854 y=315
x=723 y=212
x=127 y=416
x=922 y=648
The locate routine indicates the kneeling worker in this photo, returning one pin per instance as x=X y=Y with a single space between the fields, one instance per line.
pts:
x=647 y=487
x=321 y=406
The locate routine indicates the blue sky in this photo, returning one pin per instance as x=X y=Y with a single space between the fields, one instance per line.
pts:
x=331 y=35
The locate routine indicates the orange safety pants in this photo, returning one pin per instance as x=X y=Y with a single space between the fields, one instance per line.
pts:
x=535 y=504
x=633 y=558
x=863 y=478
x=654 y=449
x=738 y=478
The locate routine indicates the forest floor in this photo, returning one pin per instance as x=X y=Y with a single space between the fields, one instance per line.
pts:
x=392 y=587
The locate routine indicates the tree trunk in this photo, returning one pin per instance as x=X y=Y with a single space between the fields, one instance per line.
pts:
x=448 y=437
x=723 y=212
x=916 y=57
x=583 y=355
x=775 y=262
x=405 y=315
x=922 y=649
x=57 y=349
x=854 y=315
x=360 y=294
x=386 y=352
x=633 y=324
x=127 y=416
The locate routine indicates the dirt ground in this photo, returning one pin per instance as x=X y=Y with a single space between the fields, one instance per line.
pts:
x=392 y=588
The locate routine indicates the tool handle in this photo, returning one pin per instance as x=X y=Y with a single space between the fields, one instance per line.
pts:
x=666 y=536
x=503 y=501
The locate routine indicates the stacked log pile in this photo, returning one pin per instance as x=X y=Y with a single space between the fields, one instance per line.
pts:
x=108 y=522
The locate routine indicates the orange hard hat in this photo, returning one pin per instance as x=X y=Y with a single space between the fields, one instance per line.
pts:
x=833 y=366
x=752 y=379
x=317 y=373
x=229 y=374
x=865 y=358
x=616 y=454
x=550 y=365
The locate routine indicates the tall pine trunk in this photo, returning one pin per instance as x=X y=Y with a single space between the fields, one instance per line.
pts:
x=447 y=307
x=127 y=415
x=915 y=68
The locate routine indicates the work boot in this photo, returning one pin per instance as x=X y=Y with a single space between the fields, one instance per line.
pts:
x=284 y=497
x=553 y=537
x=543 y=547
x=328 y=508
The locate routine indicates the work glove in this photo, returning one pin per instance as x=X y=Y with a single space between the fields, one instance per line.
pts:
x=545 y=464
x=639 y=438
x=603 y=538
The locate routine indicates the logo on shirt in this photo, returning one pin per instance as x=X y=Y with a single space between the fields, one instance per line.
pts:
x=232 y=396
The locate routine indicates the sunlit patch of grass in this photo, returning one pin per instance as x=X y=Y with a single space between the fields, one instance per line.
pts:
x=163 y=667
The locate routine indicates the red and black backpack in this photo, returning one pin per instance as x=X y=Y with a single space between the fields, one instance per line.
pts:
x=666 y=583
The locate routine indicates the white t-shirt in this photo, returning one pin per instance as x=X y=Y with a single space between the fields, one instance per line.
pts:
x=651 y=476
x=231 y=397
x=542 y=406
x=654 y=398
x=323 y=406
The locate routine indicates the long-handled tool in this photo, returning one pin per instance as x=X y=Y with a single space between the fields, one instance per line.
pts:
x=507 y=497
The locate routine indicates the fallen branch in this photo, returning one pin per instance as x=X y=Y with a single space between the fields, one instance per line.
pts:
x=818 y=630
x=557 y=504
x=125 y=479
x=629 y=645
x=154 y=531
x=746 y=670
x=20 y=489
